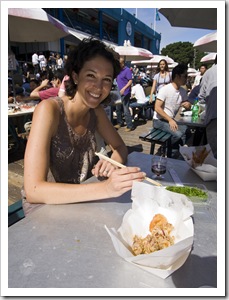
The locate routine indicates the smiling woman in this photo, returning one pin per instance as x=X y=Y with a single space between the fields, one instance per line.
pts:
x=63 y=133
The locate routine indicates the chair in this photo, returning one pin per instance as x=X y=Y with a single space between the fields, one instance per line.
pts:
x=15 y=213
x=145 y=110
x=158 y=136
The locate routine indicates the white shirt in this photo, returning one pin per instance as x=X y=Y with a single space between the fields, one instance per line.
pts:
x=172 y=99
x=35 y=59
x=138 y=92
x=42 y=60
x=197 y=80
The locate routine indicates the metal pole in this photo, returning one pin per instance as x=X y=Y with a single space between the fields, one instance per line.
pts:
x=154 y=23
x=194 y=60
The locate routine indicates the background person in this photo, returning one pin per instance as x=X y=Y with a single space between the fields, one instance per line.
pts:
x=169 y=99
x=41 y=93
x=124 y=81
x=161 y=78
x=203 y=69
x=62 y=137
x=137 y=92
x=208 y=92
x=35 y=63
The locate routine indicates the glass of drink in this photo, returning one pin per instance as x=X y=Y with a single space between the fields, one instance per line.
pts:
x=158 y=166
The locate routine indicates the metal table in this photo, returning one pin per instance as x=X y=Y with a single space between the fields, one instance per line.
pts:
x=67 y=246
x=11 y=126
x=187 y=120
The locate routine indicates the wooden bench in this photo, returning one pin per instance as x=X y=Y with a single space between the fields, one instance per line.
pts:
x=158 y=136
x=15 y=213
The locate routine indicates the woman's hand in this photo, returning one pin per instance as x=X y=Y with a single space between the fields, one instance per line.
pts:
x=121 y=180
x=151 y=99
x=103 y=168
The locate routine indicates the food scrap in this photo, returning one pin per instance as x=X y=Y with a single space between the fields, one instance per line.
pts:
x=199 y=156
x=159 y=237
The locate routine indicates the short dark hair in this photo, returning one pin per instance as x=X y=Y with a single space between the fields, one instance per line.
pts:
x=178 y=70
x=86 y=50
x=204 y=65
x=58 y=74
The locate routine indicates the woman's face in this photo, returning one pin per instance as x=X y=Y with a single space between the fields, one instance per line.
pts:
x=94 y=81
x=162 y=65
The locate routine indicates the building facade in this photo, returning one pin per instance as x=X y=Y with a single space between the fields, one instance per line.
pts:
x=112 y=25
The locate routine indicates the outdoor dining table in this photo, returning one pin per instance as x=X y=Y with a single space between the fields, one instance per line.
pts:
x=197 y=125
x=189 y=121
x=21 y=112
x=18 y=114
x=67 y=246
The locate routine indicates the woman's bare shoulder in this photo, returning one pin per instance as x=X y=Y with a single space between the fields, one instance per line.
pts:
x=49 y=106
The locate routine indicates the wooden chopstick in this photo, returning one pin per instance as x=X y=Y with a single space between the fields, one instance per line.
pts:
x=113 y=162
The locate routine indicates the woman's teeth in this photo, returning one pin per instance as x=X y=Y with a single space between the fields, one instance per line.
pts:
x=94 y=95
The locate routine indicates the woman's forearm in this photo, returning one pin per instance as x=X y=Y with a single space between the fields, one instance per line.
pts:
x=63 y=193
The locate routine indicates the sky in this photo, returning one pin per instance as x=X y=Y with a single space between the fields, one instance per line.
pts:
x=169 y=34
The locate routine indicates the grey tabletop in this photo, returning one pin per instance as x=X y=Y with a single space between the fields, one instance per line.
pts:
x=188 y=120
x=67 y=246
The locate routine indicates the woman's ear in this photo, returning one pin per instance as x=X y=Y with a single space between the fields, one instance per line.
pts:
x=75 y=77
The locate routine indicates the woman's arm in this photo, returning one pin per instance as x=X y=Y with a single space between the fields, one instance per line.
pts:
x=153 y=90
x=38 y=190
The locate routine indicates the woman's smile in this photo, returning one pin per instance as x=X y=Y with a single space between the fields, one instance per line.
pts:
x=95 y=81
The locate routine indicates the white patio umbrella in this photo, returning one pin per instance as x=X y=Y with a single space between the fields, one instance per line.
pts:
x=207 y=43
x=209 y=58
x=173 y=65
x=151 y=67
x=154 y=61
x=132 y=53
x=191 y=70
x=205 y=18
x=34 y=25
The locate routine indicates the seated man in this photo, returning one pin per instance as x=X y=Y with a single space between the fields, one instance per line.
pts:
x=169 y=99
x=41 y=93
x=137 y=93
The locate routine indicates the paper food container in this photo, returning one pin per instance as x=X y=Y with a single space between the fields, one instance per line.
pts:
x=208 y=170
x=148 y=201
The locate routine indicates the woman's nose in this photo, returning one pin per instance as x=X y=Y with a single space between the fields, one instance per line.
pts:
x=99 y=84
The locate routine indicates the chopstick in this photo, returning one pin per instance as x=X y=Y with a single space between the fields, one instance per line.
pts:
x=113 y=162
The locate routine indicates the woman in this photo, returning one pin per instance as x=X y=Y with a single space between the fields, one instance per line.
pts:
x=162 y=77
x=62 y=136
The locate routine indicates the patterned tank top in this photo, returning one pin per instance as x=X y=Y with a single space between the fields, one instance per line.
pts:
x=72 y=155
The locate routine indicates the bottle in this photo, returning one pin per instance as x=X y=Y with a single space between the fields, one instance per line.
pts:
x=195 y=109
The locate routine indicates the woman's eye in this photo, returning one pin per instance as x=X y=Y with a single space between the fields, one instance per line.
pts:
x=91 y=75
x=108 y=80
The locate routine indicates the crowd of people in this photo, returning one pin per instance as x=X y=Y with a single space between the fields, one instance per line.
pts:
x=64 y=126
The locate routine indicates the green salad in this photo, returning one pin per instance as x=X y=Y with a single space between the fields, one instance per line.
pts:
x=188 y=191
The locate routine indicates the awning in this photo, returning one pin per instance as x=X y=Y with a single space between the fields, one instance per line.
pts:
x=80 y=35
